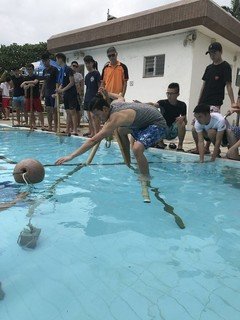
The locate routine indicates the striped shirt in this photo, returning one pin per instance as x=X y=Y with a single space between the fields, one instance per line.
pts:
x=146 y=115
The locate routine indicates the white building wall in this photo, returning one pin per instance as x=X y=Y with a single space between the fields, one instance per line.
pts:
x=183 y=64
x=178 y=66
x=176 y=70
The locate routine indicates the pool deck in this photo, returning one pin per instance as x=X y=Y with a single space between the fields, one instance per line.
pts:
x=187 y=145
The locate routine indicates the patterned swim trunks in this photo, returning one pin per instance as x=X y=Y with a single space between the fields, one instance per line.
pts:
x=172 y=132
x=236 y=131
x=150 y=135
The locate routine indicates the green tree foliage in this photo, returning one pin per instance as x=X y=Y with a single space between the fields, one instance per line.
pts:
x=234 y=10
x=16 y=55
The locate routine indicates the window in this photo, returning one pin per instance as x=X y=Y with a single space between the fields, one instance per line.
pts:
x=154 y=66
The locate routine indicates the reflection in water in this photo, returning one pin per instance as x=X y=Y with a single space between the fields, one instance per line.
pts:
x=8 y=191
x=231 y=176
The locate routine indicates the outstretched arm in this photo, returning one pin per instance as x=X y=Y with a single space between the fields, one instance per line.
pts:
x=9 y=204
x=106 y=131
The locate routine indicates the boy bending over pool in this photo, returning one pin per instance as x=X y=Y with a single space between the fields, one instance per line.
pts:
x=144 y=122
x=208 y=126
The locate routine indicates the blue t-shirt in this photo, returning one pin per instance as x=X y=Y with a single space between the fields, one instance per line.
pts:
x=63 y=79
x=92 y=80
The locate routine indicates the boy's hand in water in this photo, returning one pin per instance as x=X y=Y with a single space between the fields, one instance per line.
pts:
x=63 y=159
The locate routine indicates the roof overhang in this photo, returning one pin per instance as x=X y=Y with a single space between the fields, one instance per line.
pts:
x=168 y=18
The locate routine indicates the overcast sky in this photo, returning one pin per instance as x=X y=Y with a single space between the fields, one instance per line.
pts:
x=33 y=21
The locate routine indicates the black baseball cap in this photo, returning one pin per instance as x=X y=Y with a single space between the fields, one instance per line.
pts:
x=214 y=47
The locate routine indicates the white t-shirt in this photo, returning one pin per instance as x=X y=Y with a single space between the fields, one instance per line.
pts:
x=5 y=89
x=77 y=77
x=217 y=122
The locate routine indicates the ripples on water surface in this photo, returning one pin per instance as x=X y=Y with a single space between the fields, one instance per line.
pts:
x=104 y=254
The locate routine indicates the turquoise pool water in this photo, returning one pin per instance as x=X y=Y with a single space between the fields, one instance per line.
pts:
x=104 y=254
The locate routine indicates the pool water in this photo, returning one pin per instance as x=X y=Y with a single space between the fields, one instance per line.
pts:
x=105 y=254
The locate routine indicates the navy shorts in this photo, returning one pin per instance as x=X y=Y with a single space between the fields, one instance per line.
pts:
x=86 y=106
x=70 y=102
x=49 y=101
x=150 y=135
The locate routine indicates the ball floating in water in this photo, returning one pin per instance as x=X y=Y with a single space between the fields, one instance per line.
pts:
x=29 y=169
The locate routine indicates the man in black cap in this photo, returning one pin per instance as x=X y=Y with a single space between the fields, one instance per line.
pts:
x=216 y=76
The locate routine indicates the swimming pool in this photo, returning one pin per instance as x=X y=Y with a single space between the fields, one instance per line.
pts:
x=104 y=254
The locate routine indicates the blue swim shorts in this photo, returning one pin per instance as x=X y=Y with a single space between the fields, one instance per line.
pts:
x=18 y=102
x=236 y=131
x=150 y=135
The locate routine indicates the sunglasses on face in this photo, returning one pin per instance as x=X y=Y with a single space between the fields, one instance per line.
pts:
x=171 y=93
x=112 y=55
x=74 y=66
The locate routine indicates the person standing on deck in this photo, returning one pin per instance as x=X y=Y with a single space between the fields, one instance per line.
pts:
x=114 y=74
x=68 y=89
x=18 y=95
x=50 y=76
x=92 y=82
x=33 y=102
x=78 y=78
x=5 y=88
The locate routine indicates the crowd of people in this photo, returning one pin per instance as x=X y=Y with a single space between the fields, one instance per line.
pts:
x=103 y=100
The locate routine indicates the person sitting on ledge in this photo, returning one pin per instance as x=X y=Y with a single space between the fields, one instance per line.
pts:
x=208 y=126
x=144 y=122
x=174 y=111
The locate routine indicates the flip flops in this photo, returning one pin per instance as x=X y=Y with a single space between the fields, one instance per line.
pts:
x=195 y=151
x=158 y=146
x=172 y=145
